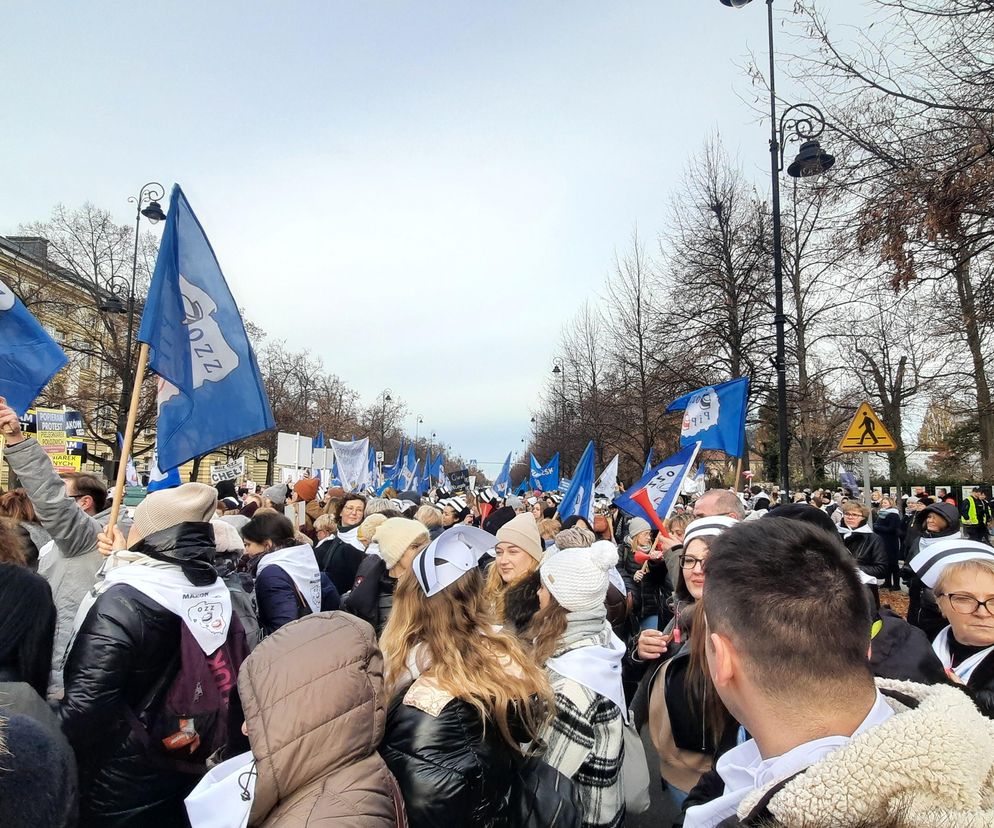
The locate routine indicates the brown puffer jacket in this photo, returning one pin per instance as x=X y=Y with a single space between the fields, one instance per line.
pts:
x=313 y=699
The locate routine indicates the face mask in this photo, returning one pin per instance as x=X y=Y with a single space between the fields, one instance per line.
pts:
x=644 y=547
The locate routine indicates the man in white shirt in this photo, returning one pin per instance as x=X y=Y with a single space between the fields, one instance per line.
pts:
x=788 y=628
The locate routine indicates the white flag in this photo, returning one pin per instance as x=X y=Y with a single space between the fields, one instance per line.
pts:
x=353 y=463
x=607 y=483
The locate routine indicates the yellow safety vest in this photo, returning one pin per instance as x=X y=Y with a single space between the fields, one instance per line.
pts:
x=971 y=512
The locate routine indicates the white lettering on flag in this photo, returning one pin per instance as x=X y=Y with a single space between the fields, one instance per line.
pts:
x=701 y=414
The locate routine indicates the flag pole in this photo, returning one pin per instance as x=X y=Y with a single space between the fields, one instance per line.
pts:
x=738 y=473
x=129 y=434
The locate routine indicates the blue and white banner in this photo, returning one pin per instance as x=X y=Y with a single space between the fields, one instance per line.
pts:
x=29 y=357
x=211 y=391
x=648 y=461
x=130 y=473
x=655 y=493
x=545 y=478
x=715 y=416
x=352 y=463
x=579 y=497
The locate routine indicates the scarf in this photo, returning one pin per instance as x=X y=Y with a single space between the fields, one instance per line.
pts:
x=597 y=667
x=206 y=610
x=300 y=564
x=351 y=537
x=845 y=531
x=966 y=667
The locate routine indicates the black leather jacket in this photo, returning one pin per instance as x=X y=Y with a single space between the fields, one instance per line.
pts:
x=123 y=659
x=449 y=773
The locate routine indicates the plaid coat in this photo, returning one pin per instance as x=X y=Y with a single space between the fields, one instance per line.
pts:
x=585 y=741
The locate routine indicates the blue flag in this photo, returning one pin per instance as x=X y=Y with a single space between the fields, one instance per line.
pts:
x=373 y=479
x=319 y=440
x=648 y=462
x=437 y=466
x=545 y=478
x=210 y=389
x=715 y=416
x=653 y=496
x=428 y=466
x=522 y=487
x=161 y=479
x=503 y=482
x=579 y=497
x=29 y=357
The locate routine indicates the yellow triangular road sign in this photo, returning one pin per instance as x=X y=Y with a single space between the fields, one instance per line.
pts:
x=867 y=433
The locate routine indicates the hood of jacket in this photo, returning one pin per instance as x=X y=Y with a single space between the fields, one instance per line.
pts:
x=932 y=764
x=189 y=545
x=946 y=511
x=312 y=694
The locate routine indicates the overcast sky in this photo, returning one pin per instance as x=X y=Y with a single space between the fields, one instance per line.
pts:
x=421 y=193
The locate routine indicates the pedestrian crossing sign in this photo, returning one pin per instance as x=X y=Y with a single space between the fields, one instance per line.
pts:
x=867 y=433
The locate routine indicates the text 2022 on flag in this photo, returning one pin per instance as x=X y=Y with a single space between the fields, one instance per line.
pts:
x=29 y=357
x=210 y=390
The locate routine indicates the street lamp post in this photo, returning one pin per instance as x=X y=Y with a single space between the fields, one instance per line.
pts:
x=383 y=420
x=146 y=204
x=417 y=428
x=807 y=125
x=560 y=374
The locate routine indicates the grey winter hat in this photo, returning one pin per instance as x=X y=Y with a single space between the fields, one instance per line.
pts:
x=637 y=525
x=276 y=493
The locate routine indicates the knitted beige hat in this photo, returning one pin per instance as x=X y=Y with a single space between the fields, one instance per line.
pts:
x=395 y=535
x=191 y=502
x=522 y=531
x=367 y=529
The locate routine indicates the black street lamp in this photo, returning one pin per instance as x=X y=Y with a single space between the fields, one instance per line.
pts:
x=146 y=204
x=807 y=125
x=383 y=420
x=417 y=428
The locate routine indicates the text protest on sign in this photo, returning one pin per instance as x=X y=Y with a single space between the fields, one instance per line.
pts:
x=229 y=471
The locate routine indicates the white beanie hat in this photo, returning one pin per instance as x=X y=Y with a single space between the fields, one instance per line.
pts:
x=636 y=526
x=578 y=578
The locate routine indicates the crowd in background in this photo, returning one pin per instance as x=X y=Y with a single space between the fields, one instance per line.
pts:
x=302 y=657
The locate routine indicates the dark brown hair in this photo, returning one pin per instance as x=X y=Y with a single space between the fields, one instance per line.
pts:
x=89 y=484
x=787 y=595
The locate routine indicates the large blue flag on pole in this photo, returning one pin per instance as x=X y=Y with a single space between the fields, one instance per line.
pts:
x=210 y=388
x=715 y=416
x=579 y=497
x=29 y=357
x=545 y=478
x=654 y=495
x=503 y=481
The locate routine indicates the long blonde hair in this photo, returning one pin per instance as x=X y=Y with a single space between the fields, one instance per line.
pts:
x=495 y=590
x=464 y=654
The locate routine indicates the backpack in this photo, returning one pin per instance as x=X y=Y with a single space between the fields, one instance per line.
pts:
x=245 y=606
x=191 y=721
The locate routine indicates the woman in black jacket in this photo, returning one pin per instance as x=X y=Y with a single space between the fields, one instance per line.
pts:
x=398 y=541
x=890 y=529
x=464 y=694
x=124 y=655
x=865 y=547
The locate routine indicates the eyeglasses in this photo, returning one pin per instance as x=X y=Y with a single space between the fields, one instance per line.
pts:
x=78 y=496
x=967 y=604
x=688 y=562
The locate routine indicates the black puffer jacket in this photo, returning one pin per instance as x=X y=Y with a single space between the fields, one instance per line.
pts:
x=371 y=599
x=121 y=663
x=340 y=561
x=449 y=772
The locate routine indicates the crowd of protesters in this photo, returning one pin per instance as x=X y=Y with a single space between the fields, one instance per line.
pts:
x=306 y=657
